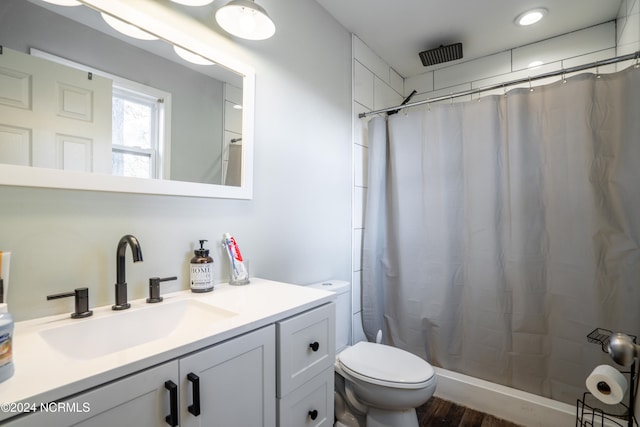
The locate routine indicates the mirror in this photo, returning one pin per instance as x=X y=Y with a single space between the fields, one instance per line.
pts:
x=203 y=114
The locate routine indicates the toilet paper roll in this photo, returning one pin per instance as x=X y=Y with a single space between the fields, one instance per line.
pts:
x=607 y=384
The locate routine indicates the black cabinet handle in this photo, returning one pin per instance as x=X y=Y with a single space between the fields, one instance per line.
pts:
x=313 y=414
x=195 y=384
x=172 y=418
x=314 y=345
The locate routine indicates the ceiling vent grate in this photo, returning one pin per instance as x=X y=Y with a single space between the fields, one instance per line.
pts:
x=441 y=54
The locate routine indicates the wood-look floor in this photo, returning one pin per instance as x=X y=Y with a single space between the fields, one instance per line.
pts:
x=441 y=413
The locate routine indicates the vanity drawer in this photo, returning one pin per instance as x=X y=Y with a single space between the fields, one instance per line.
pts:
x=311 y=405
x=306 y=347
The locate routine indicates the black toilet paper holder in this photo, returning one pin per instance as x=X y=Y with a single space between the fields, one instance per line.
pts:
x=587 y=413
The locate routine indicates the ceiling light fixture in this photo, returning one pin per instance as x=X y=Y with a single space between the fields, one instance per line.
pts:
x=64 y=2
x=530 y=17
x=127 y=29
x=245 y=19
x=194 y=58
x=193 y=2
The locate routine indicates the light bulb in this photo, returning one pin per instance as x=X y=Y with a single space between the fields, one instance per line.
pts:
x=191 y=57
x=530 y=17
x=127 y=29
x=245 y=19
x=64 y=2
x=193 y=2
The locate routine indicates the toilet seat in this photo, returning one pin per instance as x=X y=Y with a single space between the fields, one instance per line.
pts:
x=385 y=366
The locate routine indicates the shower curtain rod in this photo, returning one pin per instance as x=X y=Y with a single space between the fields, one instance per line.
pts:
x=564 y=71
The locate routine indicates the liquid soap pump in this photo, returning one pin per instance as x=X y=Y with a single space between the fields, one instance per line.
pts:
x=201 y=270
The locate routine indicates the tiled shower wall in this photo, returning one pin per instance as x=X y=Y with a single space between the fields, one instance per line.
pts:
x=376 y=85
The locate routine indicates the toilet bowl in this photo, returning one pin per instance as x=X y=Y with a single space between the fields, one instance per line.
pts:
x=376 y=385
x=381 y=386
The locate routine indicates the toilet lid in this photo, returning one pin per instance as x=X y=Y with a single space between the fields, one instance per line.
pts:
x=384 y=364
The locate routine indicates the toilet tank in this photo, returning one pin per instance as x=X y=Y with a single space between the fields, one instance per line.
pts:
x=343 y=310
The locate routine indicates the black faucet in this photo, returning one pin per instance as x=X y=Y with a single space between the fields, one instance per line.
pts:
x=121 y=283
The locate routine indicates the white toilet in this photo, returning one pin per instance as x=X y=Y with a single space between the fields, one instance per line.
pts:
x=376 y=385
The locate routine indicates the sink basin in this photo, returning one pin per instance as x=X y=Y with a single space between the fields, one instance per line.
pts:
x=99 y=336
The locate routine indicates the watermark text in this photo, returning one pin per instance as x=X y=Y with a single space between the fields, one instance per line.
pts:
x=49 y=407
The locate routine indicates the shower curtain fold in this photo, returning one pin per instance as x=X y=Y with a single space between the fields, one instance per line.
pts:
x=499 y=233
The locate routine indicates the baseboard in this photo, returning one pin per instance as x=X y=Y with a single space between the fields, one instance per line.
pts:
x=513 y=405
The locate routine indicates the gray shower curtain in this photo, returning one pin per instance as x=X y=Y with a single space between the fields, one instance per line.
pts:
x=500 y=232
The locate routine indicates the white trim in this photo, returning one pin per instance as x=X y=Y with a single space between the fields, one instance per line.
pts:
x=170 y=26
x=26 y=176
x=200 y=39
x=513 y=405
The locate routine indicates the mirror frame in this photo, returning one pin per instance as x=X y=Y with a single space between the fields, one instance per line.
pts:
x=168 y=25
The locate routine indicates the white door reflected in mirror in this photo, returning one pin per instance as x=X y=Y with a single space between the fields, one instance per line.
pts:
x=53 y=116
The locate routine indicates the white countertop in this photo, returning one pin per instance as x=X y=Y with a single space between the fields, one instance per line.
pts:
x=43 y=374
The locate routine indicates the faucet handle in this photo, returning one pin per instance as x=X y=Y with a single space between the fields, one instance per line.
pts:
x=154 y=288
x=81 y=302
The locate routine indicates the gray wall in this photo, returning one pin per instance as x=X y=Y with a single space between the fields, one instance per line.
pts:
x=296 y=229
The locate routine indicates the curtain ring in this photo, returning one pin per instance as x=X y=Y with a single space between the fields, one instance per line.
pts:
x=637 y=64
x=530 y=87
x=597 y=70
x=504 y=89
x=564 y=77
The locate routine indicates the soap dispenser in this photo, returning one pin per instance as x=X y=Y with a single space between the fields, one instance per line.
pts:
x=201 y=270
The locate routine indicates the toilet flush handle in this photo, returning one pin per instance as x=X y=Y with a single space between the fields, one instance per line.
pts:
x=313 y=414
x=314 y=345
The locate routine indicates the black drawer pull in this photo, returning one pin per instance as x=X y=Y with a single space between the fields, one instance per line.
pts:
x=195 y=381
x=314 y=345
x=313 y=414
x=172 y=418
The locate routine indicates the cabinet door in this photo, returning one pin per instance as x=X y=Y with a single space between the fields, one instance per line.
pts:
x=139 y=400
x=306 y=347
x=310 y=405
x=235 y=382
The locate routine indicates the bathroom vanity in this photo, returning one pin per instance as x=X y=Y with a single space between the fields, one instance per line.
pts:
x=255 y=355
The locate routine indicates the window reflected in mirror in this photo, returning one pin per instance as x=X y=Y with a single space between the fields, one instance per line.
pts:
x=136 y=132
